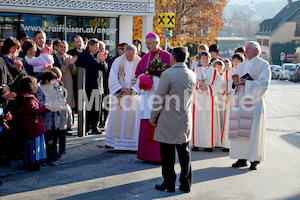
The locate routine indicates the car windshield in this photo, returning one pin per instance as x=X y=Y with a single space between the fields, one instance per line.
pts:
x=288 y=67
x=277 y=69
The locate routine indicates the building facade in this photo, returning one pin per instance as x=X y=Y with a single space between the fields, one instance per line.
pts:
x=283 y=28
x=109 y=21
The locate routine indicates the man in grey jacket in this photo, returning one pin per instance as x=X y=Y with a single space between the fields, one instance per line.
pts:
x=172 y=114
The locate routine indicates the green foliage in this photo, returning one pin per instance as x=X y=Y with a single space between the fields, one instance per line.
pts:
x=192 y=48
x=277 y=48
x=156 y=67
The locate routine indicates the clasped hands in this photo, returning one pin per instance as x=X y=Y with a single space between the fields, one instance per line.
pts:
x=200 y=85
x=126 y=91
x=235 y=79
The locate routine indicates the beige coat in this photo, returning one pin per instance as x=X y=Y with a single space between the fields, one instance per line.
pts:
x=67 y=78
x=174 y=114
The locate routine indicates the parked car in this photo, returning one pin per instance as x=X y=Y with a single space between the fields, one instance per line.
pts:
x=275 y=69
x=285 y=71
x=292 y=72
x=296 y=73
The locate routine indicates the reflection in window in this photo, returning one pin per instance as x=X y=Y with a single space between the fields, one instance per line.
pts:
x=103 y=28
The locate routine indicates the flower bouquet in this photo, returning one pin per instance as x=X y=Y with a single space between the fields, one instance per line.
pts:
x=156 y=67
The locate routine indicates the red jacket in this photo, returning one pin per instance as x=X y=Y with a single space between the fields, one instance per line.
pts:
x=31 y=116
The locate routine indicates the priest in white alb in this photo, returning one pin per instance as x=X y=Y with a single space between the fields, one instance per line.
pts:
x=123 y=127
x=248 y=114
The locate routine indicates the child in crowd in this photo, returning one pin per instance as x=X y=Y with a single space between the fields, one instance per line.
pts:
x=202 y=47
x=46 y=93
x=227 y=64
x=206 y=132
x=65 y=114
x=237 y=59
x=31 y=117
x=45 y=59
x=220 y=66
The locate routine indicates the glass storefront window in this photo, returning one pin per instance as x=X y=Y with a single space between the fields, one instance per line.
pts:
x=103 y=28
x=9 y=24
x=50 y=24
x=62 y=27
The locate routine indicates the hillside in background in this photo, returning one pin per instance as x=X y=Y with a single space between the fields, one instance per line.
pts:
x=242 y=20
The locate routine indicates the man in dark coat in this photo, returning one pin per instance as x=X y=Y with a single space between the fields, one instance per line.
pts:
x=138 y=44
x=40 y=40
x=22 y=37
x=78 y=43
x=94 y=63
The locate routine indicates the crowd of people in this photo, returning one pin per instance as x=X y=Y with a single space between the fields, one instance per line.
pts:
x=158 y=101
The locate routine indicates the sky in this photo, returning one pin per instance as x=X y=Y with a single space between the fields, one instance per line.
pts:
x=246 y=2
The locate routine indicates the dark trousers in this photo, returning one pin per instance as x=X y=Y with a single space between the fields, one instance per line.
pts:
x=50 y=138
x=93 y=115
x=167 y=152
x=60 y=138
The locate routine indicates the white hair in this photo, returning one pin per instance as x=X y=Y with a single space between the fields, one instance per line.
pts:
x=156 y=38
x=102 y=44
x=255 y=45
x=130 y=47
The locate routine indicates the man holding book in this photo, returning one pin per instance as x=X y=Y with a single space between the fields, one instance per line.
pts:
x=247 y=116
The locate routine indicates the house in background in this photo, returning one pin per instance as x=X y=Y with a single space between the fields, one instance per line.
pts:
x=283 y=28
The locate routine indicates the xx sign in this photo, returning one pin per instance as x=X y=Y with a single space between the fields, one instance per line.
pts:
x=166 y=20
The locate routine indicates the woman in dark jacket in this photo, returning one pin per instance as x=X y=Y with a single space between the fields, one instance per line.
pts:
x=11 y=72
x=11 y=69
x=31 y=116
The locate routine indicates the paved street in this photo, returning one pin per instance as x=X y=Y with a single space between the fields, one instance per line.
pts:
x=90 y=172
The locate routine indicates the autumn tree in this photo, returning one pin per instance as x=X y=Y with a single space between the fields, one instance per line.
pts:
x=137 y=27
x=196 y=20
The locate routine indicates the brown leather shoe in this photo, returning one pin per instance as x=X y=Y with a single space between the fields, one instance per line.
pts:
x=240 y=163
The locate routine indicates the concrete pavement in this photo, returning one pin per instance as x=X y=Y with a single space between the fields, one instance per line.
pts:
x=90 y=172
